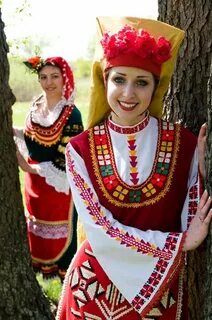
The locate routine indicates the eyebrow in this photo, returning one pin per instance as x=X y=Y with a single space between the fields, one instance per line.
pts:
x=51 y=74
x=124 y=74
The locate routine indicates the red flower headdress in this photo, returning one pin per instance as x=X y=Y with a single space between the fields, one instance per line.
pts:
x=133 y=48
x=36 y=63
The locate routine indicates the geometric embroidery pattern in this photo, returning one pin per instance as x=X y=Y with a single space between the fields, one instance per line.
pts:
x=51 y=134
x=85 y=288
x=193 y=203
x=84 y=284
x=109 y=301
x=114 y=298
x=133 y=158
x=166 y=302
x=155 y=186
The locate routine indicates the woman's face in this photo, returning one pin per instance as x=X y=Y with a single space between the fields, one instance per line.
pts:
x=129 y=93
x=51 y=81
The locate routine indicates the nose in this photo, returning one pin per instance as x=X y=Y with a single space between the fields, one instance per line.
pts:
x=48 y=80
x=129 y=90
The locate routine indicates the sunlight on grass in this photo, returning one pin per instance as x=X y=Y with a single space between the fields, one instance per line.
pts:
x=51 y=287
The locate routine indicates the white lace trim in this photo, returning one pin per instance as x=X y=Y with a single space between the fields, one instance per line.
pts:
x=21 y=144
x=53 y=176
x=47 y=120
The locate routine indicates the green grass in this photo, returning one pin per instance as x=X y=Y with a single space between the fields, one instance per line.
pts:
x=52 y=287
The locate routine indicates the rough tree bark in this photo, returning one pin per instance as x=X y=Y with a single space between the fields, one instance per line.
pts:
x=189 y=101
x=21 y=295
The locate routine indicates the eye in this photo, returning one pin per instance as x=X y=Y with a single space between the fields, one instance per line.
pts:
x=118 y=79
x=42 y=77
x=141 y=83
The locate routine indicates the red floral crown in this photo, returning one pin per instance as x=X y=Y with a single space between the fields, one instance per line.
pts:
x=133 y=48
x=34 y=63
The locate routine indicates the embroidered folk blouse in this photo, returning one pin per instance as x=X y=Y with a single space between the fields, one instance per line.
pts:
x=136 y=190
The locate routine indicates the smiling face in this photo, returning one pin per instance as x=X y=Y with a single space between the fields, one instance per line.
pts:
x=51 y=81
x=129 y=93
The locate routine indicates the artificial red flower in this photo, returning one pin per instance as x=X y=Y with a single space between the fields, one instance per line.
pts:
x=34 y=61
x=163 y=50
x=140 y=42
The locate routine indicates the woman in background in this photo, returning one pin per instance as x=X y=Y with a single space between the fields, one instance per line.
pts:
x=52 y=121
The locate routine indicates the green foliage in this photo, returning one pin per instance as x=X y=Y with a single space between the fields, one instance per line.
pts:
x=23 y=83
x=81 y=68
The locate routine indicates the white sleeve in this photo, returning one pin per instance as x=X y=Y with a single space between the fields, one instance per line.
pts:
x=193 y=194
x=129 y=256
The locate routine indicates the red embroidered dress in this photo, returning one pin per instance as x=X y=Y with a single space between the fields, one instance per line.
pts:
x=51 y=216
x=135 y=191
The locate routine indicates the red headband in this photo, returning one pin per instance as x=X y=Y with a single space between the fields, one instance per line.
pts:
x=133 y=48
x=67 y=74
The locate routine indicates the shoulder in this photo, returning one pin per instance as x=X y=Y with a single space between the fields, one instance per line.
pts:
x=75 y=114
x=80 y=139
x=183 y=138
x=184 y=132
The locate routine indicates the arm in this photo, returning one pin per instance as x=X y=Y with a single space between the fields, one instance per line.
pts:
x=198 y=229
x=201 y=149
x=196 y=214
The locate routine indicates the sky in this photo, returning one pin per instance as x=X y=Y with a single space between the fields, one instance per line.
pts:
x=66 y=26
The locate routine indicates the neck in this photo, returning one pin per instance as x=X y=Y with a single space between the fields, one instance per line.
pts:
x=51 y=102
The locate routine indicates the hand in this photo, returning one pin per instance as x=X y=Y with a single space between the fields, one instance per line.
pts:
x=24 y=165
x=17 y=131
x=201 y=142
x=199 y=226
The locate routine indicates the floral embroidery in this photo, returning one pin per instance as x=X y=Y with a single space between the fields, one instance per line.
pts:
x=120 y=192
x=162 y=168
x=135 y=195
x=106 y=170
x=110 y=181
x=158 y=179
x=149 y=190
x=166 y=146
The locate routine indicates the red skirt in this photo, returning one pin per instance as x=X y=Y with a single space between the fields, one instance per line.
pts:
x=51 y=226
x=89 y=294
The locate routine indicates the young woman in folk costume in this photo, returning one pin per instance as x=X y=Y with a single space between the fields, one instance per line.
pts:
x=53 y=119
x=137 y=194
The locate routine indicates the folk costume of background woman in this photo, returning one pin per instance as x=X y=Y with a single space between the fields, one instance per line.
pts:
x=135 y=191
x=53 y=119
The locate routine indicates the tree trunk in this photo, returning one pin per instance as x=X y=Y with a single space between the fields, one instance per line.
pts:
x=21 y=295
x=189 y=101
